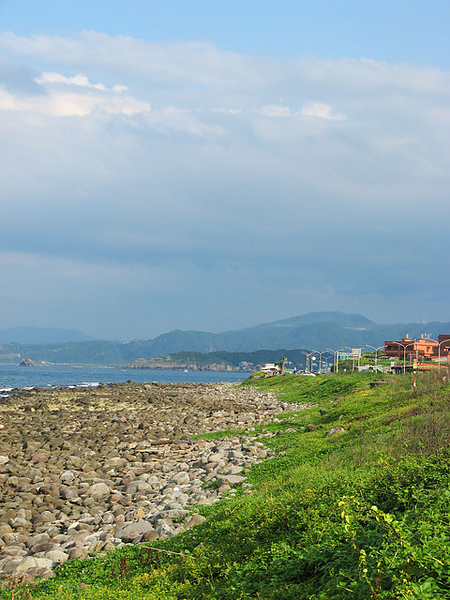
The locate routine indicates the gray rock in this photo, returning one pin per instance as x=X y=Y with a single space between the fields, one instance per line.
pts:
x=195 y=520
x=165 y=531
x=78 y=552
x=130 y=531
x=181 y=478
x=30 y=562
x=43 y=546
x=136 y=486
x=232 y=479
x=58 y=557
x=99 y=491
x=10 y=565
x=67 y=476
x=150 y=536
x=335 y=431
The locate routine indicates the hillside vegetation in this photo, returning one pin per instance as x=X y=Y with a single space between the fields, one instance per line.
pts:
x=361 y=514
x=316 y=331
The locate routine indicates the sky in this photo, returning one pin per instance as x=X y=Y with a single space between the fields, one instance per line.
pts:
x=211 y=165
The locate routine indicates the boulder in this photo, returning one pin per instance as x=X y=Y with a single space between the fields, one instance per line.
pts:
x=195 y=520
x=130 y=531
x=335 y=431
x=99 y=491
x=232 y=479
x=30 y=562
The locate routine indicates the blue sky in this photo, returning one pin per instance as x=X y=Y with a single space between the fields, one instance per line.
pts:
x=386 y=30
x=214 y=165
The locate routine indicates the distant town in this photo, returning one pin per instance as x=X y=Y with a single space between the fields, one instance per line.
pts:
x=405 y=355
x=312 y=343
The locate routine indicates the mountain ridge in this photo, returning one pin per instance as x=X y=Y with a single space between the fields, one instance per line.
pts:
x=29 y=334
x=316 y=331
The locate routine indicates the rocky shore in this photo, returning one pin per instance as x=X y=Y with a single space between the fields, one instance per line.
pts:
x=88 y=470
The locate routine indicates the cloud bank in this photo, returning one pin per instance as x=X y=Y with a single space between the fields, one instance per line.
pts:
x=153 y=186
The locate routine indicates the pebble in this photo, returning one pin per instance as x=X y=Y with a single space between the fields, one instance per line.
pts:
x=83 y=471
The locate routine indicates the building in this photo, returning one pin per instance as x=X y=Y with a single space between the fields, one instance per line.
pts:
x=444 y=344
x=406 y=347
x=271 y=369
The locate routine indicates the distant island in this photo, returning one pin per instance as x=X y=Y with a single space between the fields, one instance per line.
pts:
x=246 y=362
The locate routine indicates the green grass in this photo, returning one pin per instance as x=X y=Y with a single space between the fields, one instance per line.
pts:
x=363 y=514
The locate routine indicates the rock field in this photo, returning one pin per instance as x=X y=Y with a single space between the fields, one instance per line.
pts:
x=88 y=470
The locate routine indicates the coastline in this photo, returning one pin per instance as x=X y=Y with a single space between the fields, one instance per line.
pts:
x=94 y=469
x=16 y=377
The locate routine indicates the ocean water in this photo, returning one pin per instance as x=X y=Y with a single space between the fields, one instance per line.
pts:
x=48 y=376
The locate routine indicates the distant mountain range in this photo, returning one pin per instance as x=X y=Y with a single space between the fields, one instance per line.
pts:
x=41 y=335
x=315 y=331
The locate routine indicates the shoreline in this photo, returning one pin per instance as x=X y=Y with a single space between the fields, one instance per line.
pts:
x=94 y=469
x=47 y=377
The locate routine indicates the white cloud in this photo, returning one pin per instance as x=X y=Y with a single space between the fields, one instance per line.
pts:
x=355 y=119
x=63 y=105
x=78 y=80
x=275 y=110
x=84 y=99
x=180 y=154
x=8 y=101
x=321 y=110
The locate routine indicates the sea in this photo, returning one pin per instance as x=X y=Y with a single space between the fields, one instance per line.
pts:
x=51 y=376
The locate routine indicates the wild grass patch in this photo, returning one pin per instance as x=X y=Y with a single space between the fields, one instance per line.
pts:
x=363 y=514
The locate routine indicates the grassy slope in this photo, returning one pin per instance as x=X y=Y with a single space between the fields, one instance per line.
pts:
x=359 y=515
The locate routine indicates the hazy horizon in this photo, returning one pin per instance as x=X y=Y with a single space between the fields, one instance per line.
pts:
x=93 y=338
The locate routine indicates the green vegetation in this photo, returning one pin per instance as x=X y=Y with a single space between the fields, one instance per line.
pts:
x=361 y=514
x=316 y=331
x=234 y=360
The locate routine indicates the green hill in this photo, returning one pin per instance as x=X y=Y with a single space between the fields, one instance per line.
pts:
x=316 y=331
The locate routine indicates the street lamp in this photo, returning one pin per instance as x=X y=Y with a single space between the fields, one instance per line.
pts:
x=439 y=353
x=310 y=356
x=404 y=346
x=320 y=357
x=376 y=351
x=337 y=357
x=439 y=350
x=334 y=352
x=353 y=357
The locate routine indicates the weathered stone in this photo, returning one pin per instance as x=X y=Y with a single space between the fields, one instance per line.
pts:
x=43 y=546
x=99 y=490
x=45 y=517
x=78 y=552
x=165 y=531
x=195 y=520
x=9 y=566
x=232 y=479
x=335 y=431
x=130 y=531
x=58 y=557
x=39 y=457
x=150 y=536
x=30 y=562
x=136 y=486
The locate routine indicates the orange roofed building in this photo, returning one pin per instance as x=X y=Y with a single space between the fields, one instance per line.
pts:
x=420 y=347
